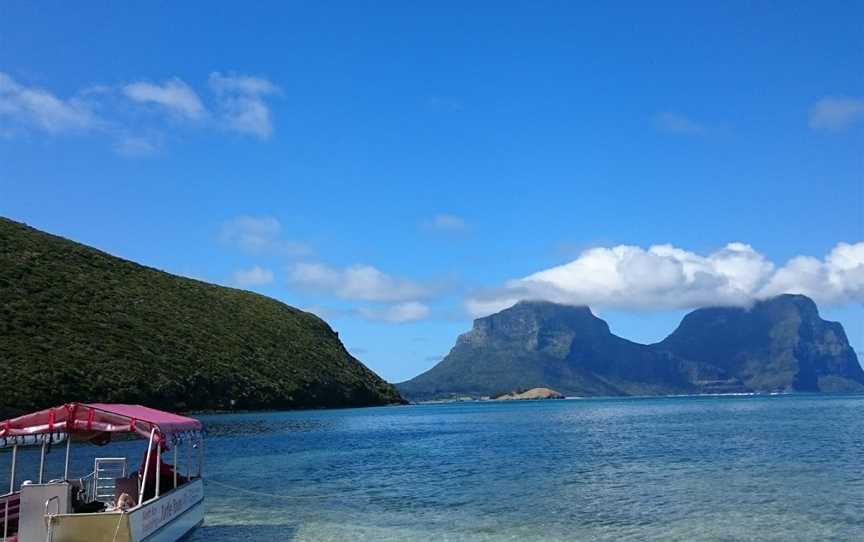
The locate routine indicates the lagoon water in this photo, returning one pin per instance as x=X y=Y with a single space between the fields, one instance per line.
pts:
x=688 y=468
x=691 y=468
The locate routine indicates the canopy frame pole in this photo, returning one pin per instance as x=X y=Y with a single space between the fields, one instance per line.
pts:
x=158 y=467
x=175 y=467
x=146 y=467
x=12 y=475
x=42 y=460
x=68 y=447
x=200 y=457
x=189 y=459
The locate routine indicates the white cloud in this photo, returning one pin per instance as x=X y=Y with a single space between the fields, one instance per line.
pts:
x=112 y=111
x=446 y=223
x=326 y=313
x=359 y=282
x=838 y=279
x=36 y=108
x=174 y=95
x=241 y=103
x=254 y=276
x=676 y=123
x=399 y=313
x=135 y=146
x=259 y=235
x=666 y=277
x=835 y=113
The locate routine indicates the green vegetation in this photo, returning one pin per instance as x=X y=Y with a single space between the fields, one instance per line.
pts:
x=77 y=324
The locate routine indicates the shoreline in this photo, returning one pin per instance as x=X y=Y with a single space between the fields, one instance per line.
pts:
x=605 y=397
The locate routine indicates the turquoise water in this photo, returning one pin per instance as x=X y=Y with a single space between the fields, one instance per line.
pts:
x=720 y=468
x=697 y=468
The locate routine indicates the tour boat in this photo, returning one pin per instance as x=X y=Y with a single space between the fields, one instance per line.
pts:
x=113 y=503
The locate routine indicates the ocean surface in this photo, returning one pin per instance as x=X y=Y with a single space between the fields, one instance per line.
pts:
x=684 y=468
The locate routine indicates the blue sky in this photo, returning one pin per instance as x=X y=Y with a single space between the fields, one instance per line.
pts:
x=400 y=169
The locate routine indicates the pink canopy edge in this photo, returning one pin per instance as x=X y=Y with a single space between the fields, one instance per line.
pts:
x=98 y=417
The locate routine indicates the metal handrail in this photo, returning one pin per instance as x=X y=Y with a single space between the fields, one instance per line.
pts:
x=49 y=523
x=48 y=516
x=56 y=499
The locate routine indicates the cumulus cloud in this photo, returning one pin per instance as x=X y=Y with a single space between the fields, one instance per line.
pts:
x=446 y=223
x=259 y=235
x=241 y=103
x=174 y=95
x=666 y=277
x=35 y=108
x=835 y=113
x=676 y=123
x=838 y=279
x=398 y=313
x=358 y=282
x=254 y=276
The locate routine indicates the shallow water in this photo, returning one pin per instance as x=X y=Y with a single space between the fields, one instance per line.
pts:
x=707 y=468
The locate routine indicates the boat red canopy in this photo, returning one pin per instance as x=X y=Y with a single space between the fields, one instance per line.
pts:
x=95 y=418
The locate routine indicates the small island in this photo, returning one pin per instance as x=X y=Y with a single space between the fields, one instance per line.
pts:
x=532 y=394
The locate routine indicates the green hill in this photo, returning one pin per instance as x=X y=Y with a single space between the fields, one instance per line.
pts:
x=77 y=324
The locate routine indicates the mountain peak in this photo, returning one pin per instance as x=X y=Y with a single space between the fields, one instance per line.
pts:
x=800 y=302
x=779 y=343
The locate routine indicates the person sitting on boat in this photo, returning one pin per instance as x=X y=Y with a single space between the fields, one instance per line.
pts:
x=166 y=477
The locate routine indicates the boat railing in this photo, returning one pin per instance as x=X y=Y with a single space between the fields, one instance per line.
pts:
x=88 y=485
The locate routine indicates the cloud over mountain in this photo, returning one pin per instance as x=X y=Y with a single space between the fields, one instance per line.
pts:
x=254 y=276
x=666 y=277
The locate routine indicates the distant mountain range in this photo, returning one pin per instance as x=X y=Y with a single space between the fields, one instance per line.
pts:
x=77 y=324
x=778 y=345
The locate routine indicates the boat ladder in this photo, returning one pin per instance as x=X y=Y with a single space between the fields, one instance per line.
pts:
x=106 y=470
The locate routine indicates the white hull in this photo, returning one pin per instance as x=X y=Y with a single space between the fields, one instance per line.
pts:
x=167 y=519
x=178 y=528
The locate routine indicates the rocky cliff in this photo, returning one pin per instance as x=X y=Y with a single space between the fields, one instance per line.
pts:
x=780 y=344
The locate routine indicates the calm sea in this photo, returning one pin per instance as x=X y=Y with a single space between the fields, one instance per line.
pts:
x=692 y=468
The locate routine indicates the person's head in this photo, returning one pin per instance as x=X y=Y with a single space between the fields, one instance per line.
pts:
x=125 y=502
